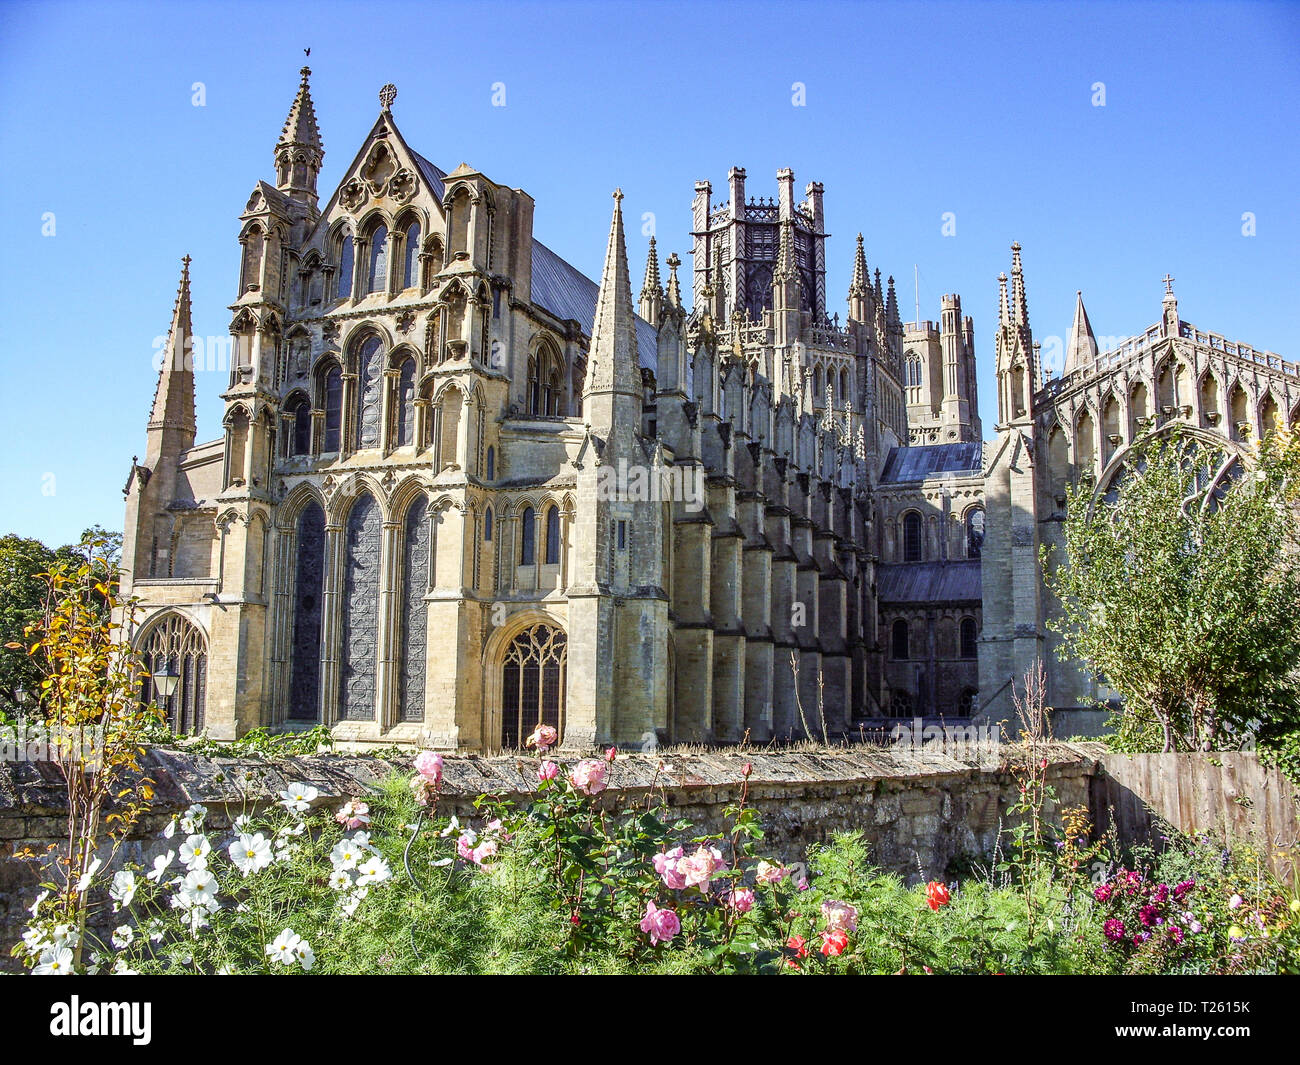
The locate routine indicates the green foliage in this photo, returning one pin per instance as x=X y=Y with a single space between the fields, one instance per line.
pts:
x=1182 y=593
x=563 y=884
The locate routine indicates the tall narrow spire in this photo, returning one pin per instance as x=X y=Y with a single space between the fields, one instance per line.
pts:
x=1082 y=346
x=652 y=293
x=173 y=399
x=300 y=150
x=612 y=366
x=1004 y=305
x=785 y=270
x=891 y=308
x=880 y=294
x=1020 y=304
x=860 y=285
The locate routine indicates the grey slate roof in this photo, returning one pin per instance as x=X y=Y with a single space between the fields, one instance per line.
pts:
x=929 y=582
x=906 y=464
x=568 y=293
x=435 y=177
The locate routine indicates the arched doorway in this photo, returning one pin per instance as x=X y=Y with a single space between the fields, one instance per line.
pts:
x=174 y=645
x=533 y=672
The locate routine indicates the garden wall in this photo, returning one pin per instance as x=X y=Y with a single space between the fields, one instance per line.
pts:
x=921 y=811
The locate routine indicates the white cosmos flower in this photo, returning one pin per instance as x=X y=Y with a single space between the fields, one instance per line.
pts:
x=195 y=851
x=350 y=904
x=64 y=936
x=170 y=830
x=251 y=853
x=160 y=865
x=155 y=930
x=373 y=871
x=37 y=940
x=123 y=889
x=361 y=840
x=83 y=883
x=297 y=798
x=120 y=969
x=199 y=888
x=57 y=961
x=283 y=949
x=241 y=822
x=123 y=936
x=194 y=818
x=339 y=880
x=305 y=955
x=345 y=855
x=452 y=826
x=36 y=903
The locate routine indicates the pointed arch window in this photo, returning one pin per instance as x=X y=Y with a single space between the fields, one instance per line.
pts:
x=370 y=378
x=333 y=410
x=175 y=646
x=308 y=595
x=411 y=257
x=532 y=683
x=377 y=274
x=300 y=437
x=534 y=387
x=491 y=464
x=527 y=537
x=346 y=266
x=404 y=416
x=487 y=526
x=552 y=536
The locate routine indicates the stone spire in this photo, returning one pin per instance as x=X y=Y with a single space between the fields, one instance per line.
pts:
x=891 y=309
x=674 y=294
x=1020 y=306
x=1081 y=348
x=860 y=285
x=1004 y=305
x=300 y=150
x=879 y=293
x=613 y=369
x=652 y=293
x=1169 y=309
x=172 y=415
x=785 y=277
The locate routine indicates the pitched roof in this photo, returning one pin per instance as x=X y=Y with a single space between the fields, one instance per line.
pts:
x=435 y=177
x=929 y=582
x=906 y=464
x=568 y=293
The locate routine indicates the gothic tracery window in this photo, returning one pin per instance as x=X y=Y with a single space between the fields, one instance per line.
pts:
x=344 y=279
x=175 y=646
x=404 y=415
x=527 y=537
x=411 y=257
x=333 y=410
x=969 y=634
x=377 y=274
x=532 y=684
x=552 y=536
x=899 y=641
x=974 y=532
x=370 y=379
x=309 y=581
x=360 y=611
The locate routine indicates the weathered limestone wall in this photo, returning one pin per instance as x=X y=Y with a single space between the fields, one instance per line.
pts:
x=919 y=811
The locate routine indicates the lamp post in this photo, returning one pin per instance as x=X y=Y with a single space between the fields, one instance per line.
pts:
x=165 y=681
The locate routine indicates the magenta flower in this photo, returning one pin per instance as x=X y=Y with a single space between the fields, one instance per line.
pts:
x=1149 y=915
x=1182 y=888
x=741 y=899
x=1102 y=893
x=1114 y=929
x=660 y=925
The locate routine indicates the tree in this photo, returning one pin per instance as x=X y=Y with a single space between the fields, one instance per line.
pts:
x=1182 y=589
x=22 y=600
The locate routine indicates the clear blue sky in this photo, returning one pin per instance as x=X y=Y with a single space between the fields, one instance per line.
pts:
x=912 y=110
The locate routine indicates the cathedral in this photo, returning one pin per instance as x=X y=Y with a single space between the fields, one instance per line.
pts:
x=462 y=489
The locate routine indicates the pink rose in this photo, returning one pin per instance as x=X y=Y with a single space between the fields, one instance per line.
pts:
x=484 y=852
x=666 y=867
x=542 y=736
x=422 y=790
x=771 y=874
x=741 y=899
x=698 y=869
x=465 y=847
x=548 y=771
x=611 y=754
x=588 y=777
x=660 y=925
x=429 y=765
x=840 y=916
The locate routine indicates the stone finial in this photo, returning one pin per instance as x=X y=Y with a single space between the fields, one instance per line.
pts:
x=387 y=95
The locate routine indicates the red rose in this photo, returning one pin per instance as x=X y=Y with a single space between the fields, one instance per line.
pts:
x=936 y=894
x=834 y=942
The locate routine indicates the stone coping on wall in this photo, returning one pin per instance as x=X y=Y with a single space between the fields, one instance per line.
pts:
x=180 y=777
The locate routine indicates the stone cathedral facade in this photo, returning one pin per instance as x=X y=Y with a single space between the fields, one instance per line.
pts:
x=462 y=488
